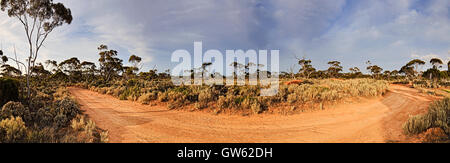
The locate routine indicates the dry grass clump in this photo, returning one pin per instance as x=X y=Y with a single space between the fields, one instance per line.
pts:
x=435 y=135
x=87 y=131
x=61 y=93
x=331 y=90
x=206 y=96
x=243 y=97
x=13 y=130
x=148 y=97
x=15 y=109
x=438 y=116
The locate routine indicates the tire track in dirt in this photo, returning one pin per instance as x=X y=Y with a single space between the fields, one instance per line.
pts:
x=374 y=120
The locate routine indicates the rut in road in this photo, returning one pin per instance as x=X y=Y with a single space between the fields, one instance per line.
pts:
x=374 y=120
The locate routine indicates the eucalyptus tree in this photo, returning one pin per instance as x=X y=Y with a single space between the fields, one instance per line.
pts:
x=38 y=18
x=415 y=64
x=110 y=64
x=88 y=70
x=375 y=70
x=335 y=68
x=306 y=69
x=434 y=72
x=9 y=71
x=355 y=72
x=136 y=61
x=71 y=67
x=52 y=65
x=448 y=66
x=436 y=62
x=408 y=71
x=3 y=59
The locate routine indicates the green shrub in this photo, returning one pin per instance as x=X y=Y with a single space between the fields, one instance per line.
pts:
x=256 y=108
x=61 y=121
x=15 y=109
x=246 y=104
x=13 y=130
x=40 y=100
x=44 y=135
x=131 y=94
x=163 y=97
x=9 y=90
x=44 y=117
x=417 y=124
x=65 y=111
x=61 y=93
x=177 y=99
x=222 y=103
x=292 y=98
x=102 y=90
x=205 y=96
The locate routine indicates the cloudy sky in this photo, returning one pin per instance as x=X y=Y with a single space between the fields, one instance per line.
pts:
x=389 y=33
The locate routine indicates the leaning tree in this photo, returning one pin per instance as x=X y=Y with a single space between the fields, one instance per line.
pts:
x=39 y=18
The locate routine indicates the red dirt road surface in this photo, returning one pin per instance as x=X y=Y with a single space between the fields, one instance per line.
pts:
x=375 y=120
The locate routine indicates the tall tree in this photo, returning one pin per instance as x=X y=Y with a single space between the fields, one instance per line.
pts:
x=448 y=66
x=7 y=70
x=39 y=18
x=87 y=70
x=203 y=69
x=136 y=61
x=110 y=65
x=394 y=73
x=356 y=72
x=52 y=65
x=436 y=62
x=335 y=68
x=434 y=72
x=415 y=64
x=408 y=71
x=387 y=75
x=306 y=69
x=39 y=71
x=4 y=59
x=375 y=70
x=72 y=68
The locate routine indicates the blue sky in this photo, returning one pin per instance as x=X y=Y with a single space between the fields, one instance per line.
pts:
x=389 y=33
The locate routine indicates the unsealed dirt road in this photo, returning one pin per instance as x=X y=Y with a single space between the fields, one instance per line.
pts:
x=374 y=120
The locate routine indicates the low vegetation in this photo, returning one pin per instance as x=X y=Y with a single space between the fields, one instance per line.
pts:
x=435 y=123
x=242 y=98
x=47 y=119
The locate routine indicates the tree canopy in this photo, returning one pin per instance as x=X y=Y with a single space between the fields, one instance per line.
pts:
x=110 y=64
x=335 y=68
x=436 y=62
